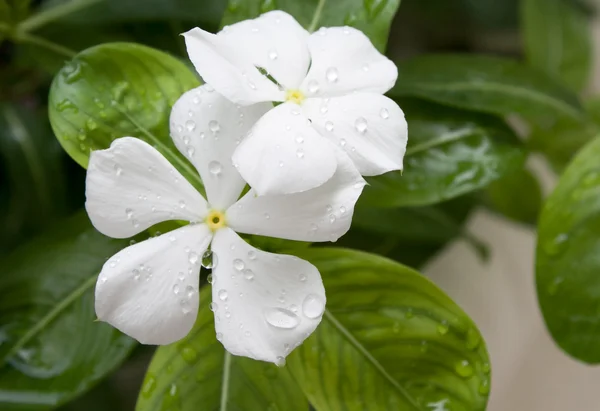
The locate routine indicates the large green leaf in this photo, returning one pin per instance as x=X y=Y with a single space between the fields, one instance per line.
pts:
x=482 y=83
x=450 y=152
x=198 y=374
x=116 y=90
x=373 y=17
x=50 y=347
x=557 y=38
x=568 y=257
x=35 y=180
x=389 y=340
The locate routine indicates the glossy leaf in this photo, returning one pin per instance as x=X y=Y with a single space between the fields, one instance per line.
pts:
x=389 y=340
x=51 y=349
x=557 y=37
x=373 y=17
x=198 y=374
x=116 y=90
x=35 y=176
x=517 y=196
x=568 y=257
x=489 y=84
x=450 y=152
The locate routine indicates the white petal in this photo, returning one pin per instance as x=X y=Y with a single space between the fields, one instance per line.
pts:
x=206 y=128
x=274 y=41
x=265 y=304
x=149 y=290
x=345 y=60
x=283 y=154
x=321 y=214
x=370 y=127
x=131 y=186
x=228 y=69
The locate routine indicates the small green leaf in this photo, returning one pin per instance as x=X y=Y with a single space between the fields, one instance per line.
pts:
x=198 y=374
x=521 y=185
x=51 y=350
x=116 y=90
x=558 y=40
x=373 y=17
x=488 y=84
x=450 y=152
x=389 y=340
x=568 y=257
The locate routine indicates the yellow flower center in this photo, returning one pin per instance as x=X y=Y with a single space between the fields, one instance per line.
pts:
x=294 y=96
x=215 y=220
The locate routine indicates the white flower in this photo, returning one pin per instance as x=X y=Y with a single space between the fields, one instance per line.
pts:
x=265 y=304
x=331 y=83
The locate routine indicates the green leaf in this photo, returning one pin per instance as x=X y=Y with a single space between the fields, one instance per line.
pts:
x=35 y=177
x=5 y=13
x=198 y=374
x=521 y=185
x=389 y=340
x=115 y=90
x=51 y=350
x=482 y=83
x=558 y=40
x=373 y=17
x=450 y=152
x=568 y=257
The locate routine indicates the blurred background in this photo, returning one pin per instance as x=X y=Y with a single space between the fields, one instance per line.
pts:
x=39 y=183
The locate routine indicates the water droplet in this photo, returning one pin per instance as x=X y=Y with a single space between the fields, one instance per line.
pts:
x=557 y=245
x=149 y=385
x=280 y=362
x=267 y=216
x=342 y=210
x=484 y=387
x=302 y=277
x=324 y=110
x=176 y=289
x=384 y=113
x=300 y=153
x=129 y=213
x=365 y=67
x=72 y=72
x=332 y=218
x=223 y=295
x=190 y=291
x=219 y=336
x=190 y=151
x=313 y=306
x=331 y=74
x=190 y=125
x=473 y=339
x=238 y=264
x=329 y=126
x=299 y=139
x=248 y=274
x=295 y=110
x=193 y=258
x=343 y=142
x=443 y=329
x=118 y=170
x=464 y=369
x=215 y=168
x=188 y=354
x=213 y=307
x=273 y=54
x=281 y=318
x=210 y=278
x=361 y=125
x=313 y=87
x=252 y=255
x=281 y=164
x=209 y=259
x=136 y=274
x=214 y=126
x=67 y=104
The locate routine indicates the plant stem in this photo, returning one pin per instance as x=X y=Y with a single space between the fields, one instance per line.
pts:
x=316 y=16
x=47 y=16
x=21 y=37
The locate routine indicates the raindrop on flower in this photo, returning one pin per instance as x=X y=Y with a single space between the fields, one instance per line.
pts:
x=252 y=255
x=299 y=139
x=209 y=259
x=300 y=153
x=343 y=142
x=190 y=125
x=129 y=213
x=215 y=168
x=342 y=210
x=332 y=218
x=213 y=307
x=313 y=306
x=273 y=54
x=176 y=289
x=361 y=125
x=302 y=277
x=248 y=274
x=313 y=86
x=329 y=126
x=384 y=113
x=193 y=258
x=118 y=170
x=332 y=74
x=280 y=362
x=238 y=264
x=214 y=126
x=190 y=151
x=281 y=318
x=210 y=278
x=222 y=295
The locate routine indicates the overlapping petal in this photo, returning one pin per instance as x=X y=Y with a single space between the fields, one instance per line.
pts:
x=149 y=290
x=371 y=128
x=131 y=186
x=225 y=67
x=321 y=214
x=206 y=128
x=265 y=304
x=343 y=61
x=284 y=153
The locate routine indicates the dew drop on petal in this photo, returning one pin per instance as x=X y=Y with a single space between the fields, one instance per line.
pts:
x=214 y=126
x=252 y=255
x=299 y=139
x=213 y=307
x=209 y=259
x=384 y=113
x=190 y=151
x=300 y=153
x=313 y=306
x=219 y=336
x=302 y=277
x=343 y=142
x=280 y=362
x=129 y=213
x=329 y=126
x=313 y=87
x=238 y=264
x=332 y=218
x=176 y=289
x=342 y=210
x=222 y=295
x=281 y=318
x=193 y=258
x=190 y=125
x=273 y=54
x=210 y=278
x=215 y=168
x=248 y=274
x=331 y=74
x=361 y=125
x=118 y=170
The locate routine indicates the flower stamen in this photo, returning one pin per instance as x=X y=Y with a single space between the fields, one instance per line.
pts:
x=294 y=96
x=215 y=220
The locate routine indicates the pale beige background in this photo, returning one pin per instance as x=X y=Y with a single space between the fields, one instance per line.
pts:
x=529 y=372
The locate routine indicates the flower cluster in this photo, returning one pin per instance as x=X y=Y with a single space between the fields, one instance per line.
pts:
x=303 y=158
